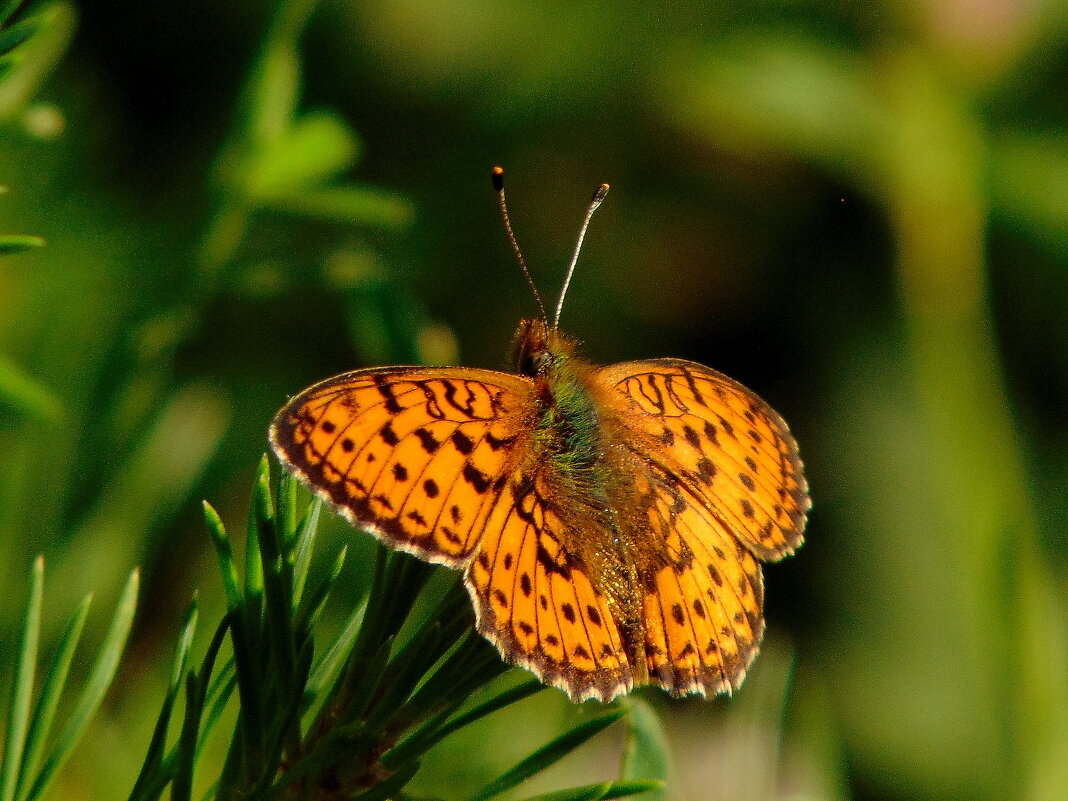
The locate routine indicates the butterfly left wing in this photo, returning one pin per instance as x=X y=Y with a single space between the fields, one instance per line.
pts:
x=414 y=455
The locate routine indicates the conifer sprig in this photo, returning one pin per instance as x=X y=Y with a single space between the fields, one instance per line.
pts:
x=350 y=717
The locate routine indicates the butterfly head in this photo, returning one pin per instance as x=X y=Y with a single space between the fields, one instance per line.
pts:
x=538 y=348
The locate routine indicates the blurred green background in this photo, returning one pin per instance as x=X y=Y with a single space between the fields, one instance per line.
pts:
x=858 y=210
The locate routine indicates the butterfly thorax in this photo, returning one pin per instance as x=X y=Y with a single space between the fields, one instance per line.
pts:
x=568 y=431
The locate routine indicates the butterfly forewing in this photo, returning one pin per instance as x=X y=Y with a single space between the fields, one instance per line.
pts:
x=702 y=609
x=416 y=455
x=727 y=445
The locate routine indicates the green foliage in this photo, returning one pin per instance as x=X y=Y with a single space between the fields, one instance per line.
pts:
x=646 y=754
x=352 y=719
x=30 y=761
x=27 y=395
x=16 y=243
x=351 y=722
x=33 y=36
x=277 y=159
x=30 y=44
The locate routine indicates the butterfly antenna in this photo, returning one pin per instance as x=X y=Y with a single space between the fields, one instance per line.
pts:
x=595 y=201
x=498 y=187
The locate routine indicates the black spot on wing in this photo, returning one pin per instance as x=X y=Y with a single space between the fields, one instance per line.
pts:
x=388 y=435
x=427 y=440
x=691 y=436
x=496 y=443
x=473 y=476
x=462 y=442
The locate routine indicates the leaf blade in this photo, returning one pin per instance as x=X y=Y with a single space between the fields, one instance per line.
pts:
x=48 y=701
x=99 y=680
x=646 y=754
x=548 y=754
x=22 y=687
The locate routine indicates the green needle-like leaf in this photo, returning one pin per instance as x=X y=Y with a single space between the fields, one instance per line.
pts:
x=405 y=670
x=287 y=511
x=221 y=687
x=218 y=705
x=310 y=613
x=549 y=754
x=152 y=776
x=646 y=755
x=182 y=785
x=185 y=641
x=225 y=553
x=600 y=792
x=625 y=789
x=99 y=681
x=328 y=668
x=472 y=664
x=364 y=683
x=45 y=711
x=430 y=643
x=277 y=584
x=17 y=243
x=22 y=688
x=589 y=792
x=431 y=733
x=309 y=527
x=390 y=786
x=253 y=558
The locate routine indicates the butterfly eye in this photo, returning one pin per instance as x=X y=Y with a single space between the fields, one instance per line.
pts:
x=526 y=365
x=533 y=362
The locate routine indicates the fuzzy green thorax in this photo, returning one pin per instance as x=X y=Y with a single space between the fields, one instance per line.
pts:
x=568 y=431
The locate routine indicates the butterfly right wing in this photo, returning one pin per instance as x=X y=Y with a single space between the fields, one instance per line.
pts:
x=718 y=487
x=732 y=450
x=702 y=594
x=412 y=454
x=432 y=462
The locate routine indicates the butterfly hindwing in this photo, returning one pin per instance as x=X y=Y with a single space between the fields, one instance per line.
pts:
x=413 y=454
x=719 y=487
x=702 y=600
x=536 y=602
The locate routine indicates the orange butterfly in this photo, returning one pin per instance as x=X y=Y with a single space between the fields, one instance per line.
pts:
x=610 y=521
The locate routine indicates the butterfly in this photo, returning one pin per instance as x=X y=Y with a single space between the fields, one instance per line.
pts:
x=610 y=522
